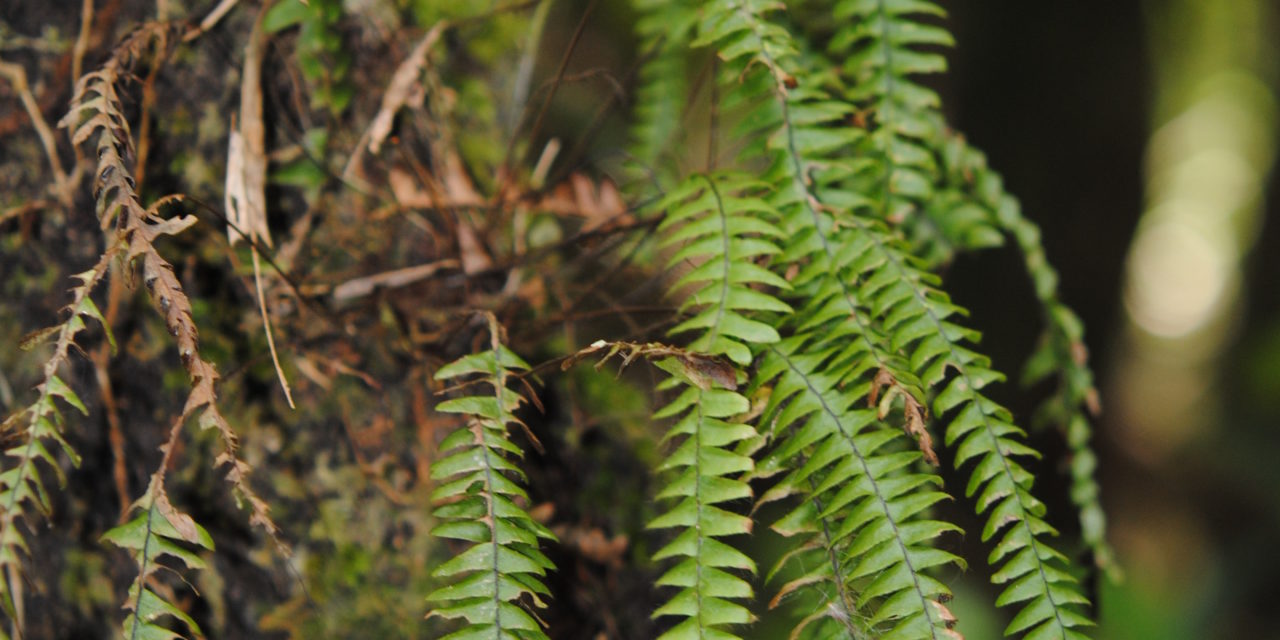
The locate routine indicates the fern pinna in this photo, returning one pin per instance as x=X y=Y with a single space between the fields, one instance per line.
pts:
x=478 y=498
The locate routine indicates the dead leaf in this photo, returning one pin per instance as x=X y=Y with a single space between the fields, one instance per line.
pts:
x=185 y=526
x=917 y=428
x=246 y=192
x=404 y=88
x=474 y=258
x=33 y=339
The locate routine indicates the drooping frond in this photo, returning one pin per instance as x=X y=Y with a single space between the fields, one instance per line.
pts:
x=131 y=230
x=479 y=496
x=803 y=132
x=879 y=46
x=720 y=228
x=865 y=494
x=97 y=110
x=1060 y=354
x=705 y=472
x=917 y=315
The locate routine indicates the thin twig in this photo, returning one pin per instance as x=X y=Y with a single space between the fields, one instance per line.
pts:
x=366 y=285
x=82 y=42
x=560 y=71
x=209 y=20
x=17 y=76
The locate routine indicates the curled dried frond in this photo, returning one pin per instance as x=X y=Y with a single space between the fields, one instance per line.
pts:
x=97 y=108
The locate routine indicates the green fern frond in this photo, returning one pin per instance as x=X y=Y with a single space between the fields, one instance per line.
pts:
x=952 y=222
x=706 y=473
x=827 y=368
x=904 y=297
x=879 y=52
x=38 y=424
x=839 y=460
x=1061 y=353
x=157 y=530
x=722 y=226
x=502 y=570
x=803 y=132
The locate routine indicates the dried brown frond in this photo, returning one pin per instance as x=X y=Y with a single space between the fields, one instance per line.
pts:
x=96 y=108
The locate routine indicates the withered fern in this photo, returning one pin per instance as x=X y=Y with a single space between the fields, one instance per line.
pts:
x=131 y=230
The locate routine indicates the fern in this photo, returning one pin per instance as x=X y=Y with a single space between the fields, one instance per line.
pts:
x=816 y=356
x=1061 y=352
x=131 y=230
x=917 y=314
x=158 y=530
x=861 y=492
x=36 y=425
x=700 y=464
x=858 y=493
x=478 y=505
x=723 y=227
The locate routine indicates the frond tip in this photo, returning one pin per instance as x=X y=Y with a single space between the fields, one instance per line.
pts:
x=478 y=496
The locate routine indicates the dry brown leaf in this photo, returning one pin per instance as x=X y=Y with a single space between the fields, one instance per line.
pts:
x=246 y=190
x=313 y=373
x=183 y=523
x=406 y=190
x=916 y=428
x=366 y=285
x=474 y=258
x=705 y=371
x=913 y=412
x=599 y=202
x=404 y=88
